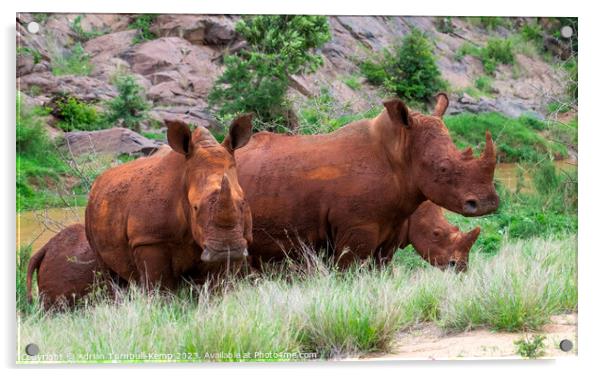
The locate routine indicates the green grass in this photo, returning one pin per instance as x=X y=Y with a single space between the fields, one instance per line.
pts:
x=320 y=309
x=516 y=139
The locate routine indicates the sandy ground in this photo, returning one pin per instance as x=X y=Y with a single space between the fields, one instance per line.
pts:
x=430 y=343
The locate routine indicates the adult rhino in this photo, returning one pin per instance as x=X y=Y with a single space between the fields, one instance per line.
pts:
x=153 y=219
x=352 y=189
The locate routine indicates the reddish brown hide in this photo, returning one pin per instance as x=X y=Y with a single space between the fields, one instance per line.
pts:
x=437 y=241
x=354 y=188
x=66 y=266
x=153 y=219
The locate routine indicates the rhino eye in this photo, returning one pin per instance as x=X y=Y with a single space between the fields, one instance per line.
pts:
x=436 y=233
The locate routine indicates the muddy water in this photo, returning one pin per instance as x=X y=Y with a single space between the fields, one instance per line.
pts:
x=508 y=174
x=37 y=227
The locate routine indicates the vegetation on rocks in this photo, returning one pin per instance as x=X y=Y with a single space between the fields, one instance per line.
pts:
x=142 y=23
x=75 y=62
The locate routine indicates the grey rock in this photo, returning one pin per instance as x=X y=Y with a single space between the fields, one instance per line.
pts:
x=113 y=141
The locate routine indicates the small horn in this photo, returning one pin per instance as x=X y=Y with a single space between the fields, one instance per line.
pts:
x=467 y=153
x=442 y=101
x=470 y=238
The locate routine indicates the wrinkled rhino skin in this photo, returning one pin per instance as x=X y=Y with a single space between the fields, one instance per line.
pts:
x=437 y=241
x=153 y=219
x=352 y=189
x=66 y=268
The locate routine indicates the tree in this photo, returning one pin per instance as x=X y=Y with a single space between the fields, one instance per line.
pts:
x=256 y=79
x=130 y=105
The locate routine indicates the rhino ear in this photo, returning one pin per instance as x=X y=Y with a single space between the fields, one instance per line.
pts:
x=179 y=136
x=398 y=112
x=441 y=104
x=239 y=133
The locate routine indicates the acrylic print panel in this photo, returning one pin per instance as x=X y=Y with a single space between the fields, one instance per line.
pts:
x=412 y=193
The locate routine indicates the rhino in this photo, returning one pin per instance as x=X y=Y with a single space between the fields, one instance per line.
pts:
x=351 y=190
x=66 y=268
x=153 y=219
x=437 y=241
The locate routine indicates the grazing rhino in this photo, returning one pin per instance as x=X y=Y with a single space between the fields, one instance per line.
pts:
x=352 y=189
x=437 y=241
x=66 y=268
x=153 y=219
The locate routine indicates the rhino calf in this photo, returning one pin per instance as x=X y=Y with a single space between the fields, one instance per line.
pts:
x=66 y=268
x=437 y=241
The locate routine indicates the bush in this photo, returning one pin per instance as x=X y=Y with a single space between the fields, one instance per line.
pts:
x=483 y=83
x=76 y=115
x=531 y=347
x=37 y=158
x=496 y=51
x=76 y=62
x=256 y=80
x=410 y=70
x=130 y=107
x=142 y=23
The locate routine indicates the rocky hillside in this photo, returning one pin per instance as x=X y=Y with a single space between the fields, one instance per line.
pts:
x=179 y=67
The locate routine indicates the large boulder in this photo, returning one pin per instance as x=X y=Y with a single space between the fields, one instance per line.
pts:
x=82 y=87
x=179 y=72
x=113 y=141
x=197 y=29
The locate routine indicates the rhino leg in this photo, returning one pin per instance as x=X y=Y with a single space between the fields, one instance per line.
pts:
x=153 y=263
x=355 y=245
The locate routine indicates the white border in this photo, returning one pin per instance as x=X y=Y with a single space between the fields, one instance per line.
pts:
x=589 y=172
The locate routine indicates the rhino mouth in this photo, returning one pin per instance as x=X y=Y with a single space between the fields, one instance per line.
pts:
x=223 y=256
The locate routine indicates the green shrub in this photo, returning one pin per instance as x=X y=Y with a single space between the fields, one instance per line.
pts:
x=531 y=347
x=352 y=82
x=410 y=70
x=496 y=51
x=130 y=107
x=76 y=62
x=142 y=23
x=483 y=83
x=532 y=31
x=83 y=35
x=35 y=54
x=572 y=86
x=76 y=115
x=256 y=80
x=40 y=18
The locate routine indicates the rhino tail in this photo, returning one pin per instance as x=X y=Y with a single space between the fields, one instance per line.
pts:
x=34 y=265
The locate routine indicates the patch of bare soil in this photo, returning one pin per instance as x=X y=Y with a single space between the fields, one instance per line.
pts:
x=431 y=343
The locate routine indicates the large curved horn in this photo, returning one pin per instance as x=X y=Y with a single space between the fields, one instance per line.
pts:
x=225 y=206
x=442 y=101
